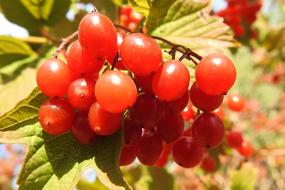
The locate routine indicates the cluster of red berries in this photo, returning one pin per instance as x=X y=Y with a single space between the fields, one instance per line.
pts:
x=240 y=14
x=129 y=17
x=91 y=100
x=236 y=141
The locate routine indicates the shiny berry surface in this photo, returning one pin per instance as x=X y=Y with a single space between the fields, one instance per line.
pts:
x=53 y=78
x=171 y=81
x=208 y=130
x=81 y=64
x=245 y=149
x=103 y=122
x=97 y=35
x=81 y=93
x=204 y=101
x=141 y=54
x=188 y=112
x=115 y=91
x=215 y=74
x=236 y=102
x=56 y=116
x=187 y=153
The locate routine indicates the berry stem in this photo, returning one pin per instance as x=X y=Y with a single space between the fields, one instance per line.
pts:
x=174 y=47
x=64 y=43
x=123 y=28
x=115 y=61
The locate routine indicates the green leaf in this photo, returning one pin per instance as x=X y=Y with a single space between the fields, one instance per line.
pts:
x=32 y=14
x=16 y=90
x=85 y=185
x=149 y=178
x=154 y=10
x=120 y=2
x=188 y=23
x=106 y=7
x=55 y=162
x=20 y=79
x=39 y=9
x=243 y=179
x=12 y=49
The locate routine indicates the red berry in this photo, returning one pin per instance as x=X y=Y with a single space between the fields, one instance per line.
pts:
x=132 y=132
x=53 y=78
x=163 y=158
x=98 y=36
x=188 y=112
x=145 y=83
x=81 y=93
x=208 y=164
x=208 y=130
x=236 y=102
x=204 y=101
x=56 y=116
x=178 y=105
x=103 y=122
x=234 y=139
x=141 y=54
x=220 y=113
x=149 y=148
x=215 y=74
x=146 y=111
x=245 y=149
x=80 y=63
x=128 y=155
x=135 y=17
x=126 y=10
x=187 y=153
x=187 y=132
x=171 y=81
x=115 y=91
x=170 y=127
x=81 y=130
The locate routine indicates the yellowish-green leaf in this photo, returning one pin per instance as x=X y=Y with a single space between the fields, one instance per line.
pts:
x=188 y=23
x=244 y=178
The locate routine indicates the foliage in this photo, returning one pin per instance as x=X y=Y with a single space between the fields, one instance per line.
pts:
x=56 y=162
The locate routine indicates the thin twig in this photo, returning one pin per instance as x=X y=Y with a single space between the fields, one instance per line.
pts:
x=64 y=43
x=123 y=27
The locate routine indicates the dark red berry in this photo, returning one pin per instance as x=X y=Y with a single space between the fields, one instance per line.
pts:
x=128 y=155
x=204 y=101
x=149 y=148
x=81 y=129
x=170 y=127
x=187 y=153
x=208 y=130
